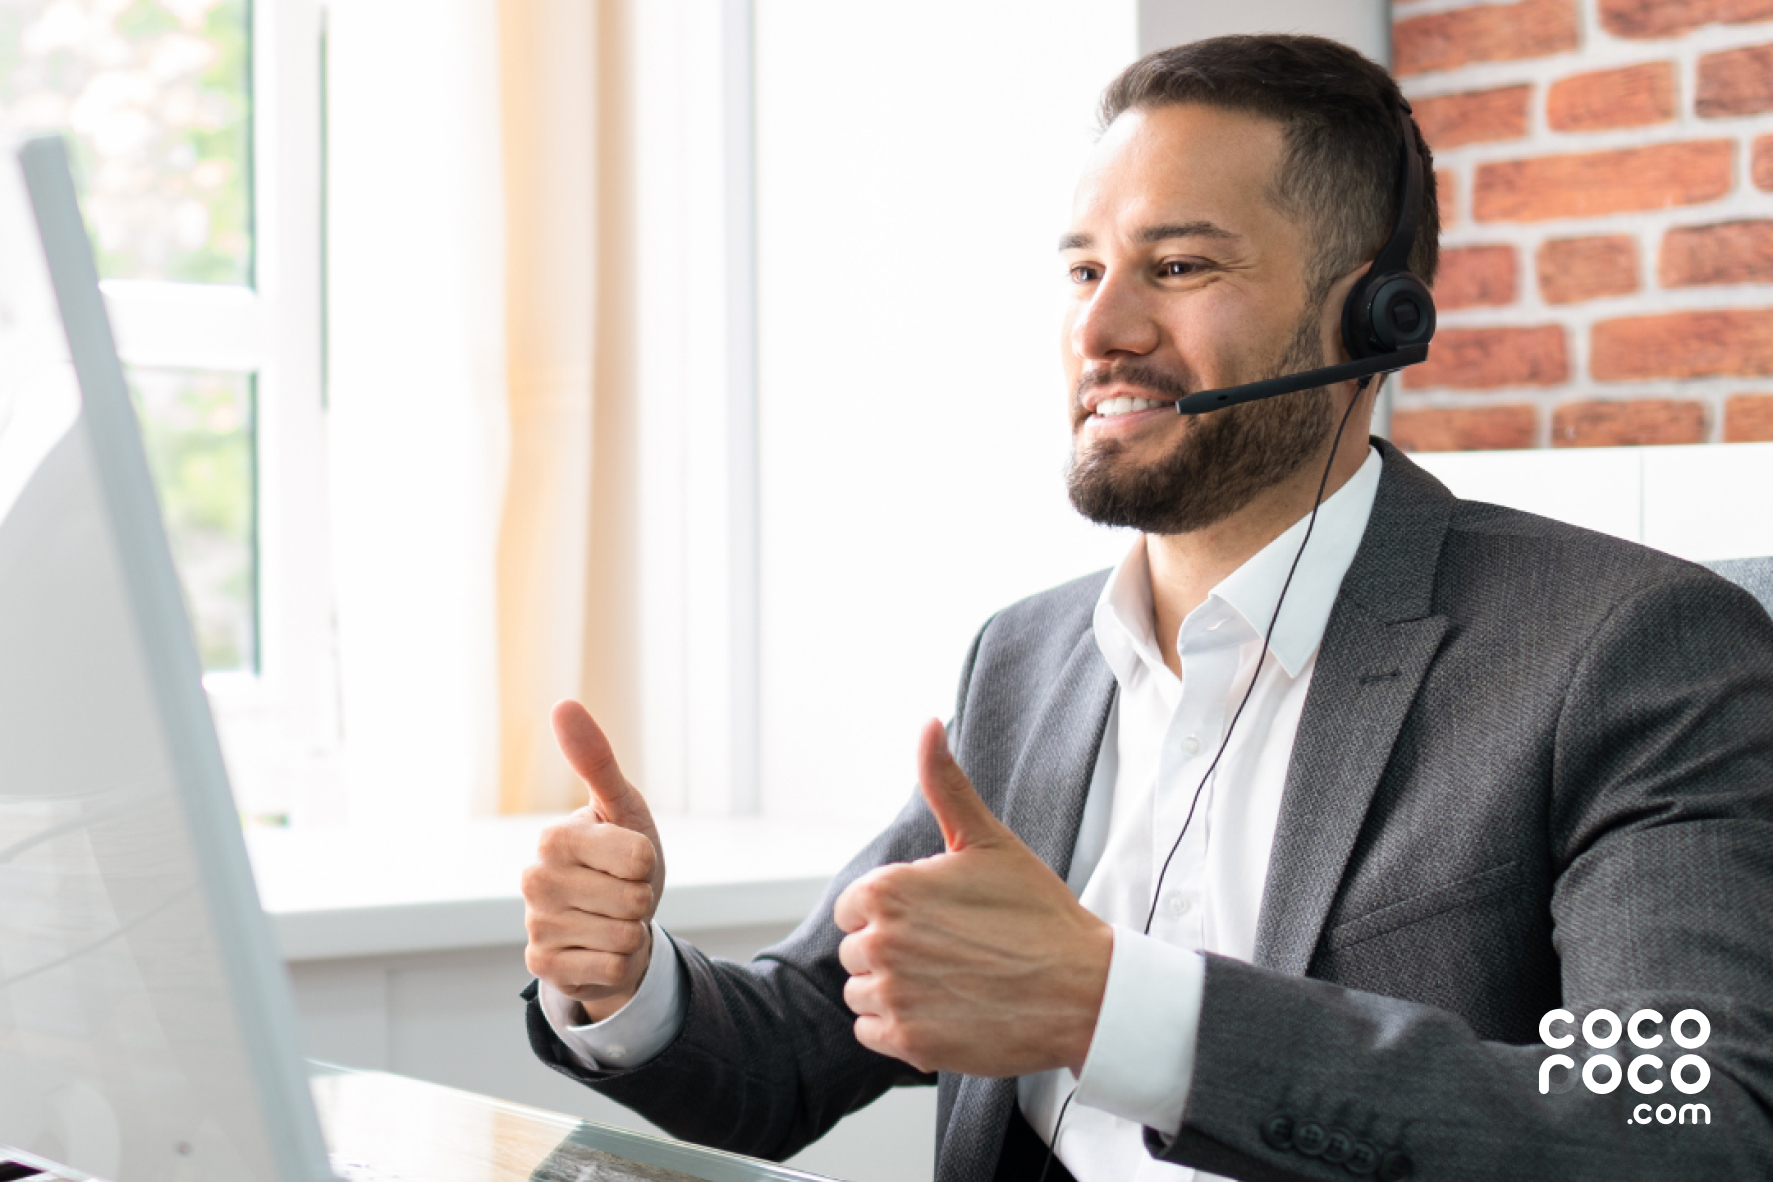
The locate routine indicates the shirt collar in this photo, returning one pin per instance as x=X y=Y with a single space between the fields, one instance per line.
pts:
x=1125 y=619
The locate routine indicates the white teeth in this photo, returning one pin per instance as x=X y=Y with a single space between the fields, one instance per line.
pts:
x=1125 y=406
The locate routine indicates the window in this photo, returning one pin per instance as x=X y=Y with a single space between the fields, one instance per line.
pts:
x=184 y=118
x=156 y=101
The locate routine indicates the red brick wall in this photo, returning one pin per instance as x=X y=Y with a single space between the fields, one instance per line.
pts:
x=1607 y=265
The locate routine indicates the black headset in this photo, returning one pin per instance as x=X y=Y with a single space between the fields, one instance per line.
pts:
x=1388 y=318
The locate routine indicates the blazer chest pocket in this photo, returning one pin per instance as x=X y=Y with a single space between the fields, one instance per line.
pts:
x=1427 y=905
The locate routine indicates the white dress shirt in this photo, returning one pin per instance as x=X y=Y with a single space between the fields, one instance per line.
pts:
x=1162 y=735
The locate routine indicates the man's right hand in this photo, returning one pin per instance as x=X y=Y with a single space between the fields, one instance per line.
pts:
x=589 y=899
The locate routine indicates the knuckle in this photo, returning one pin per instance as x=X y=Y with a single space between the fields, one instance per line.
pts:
x=556 y=842
x=615 y=851
x=877 y=946
x=638 y=898
x=540 y=925
x=884 y=945
x=607 y=968
x=629 y=938
x=620 y=853
x=868 y=895
x=890 y=992
x=885 y=892
x=643 y=859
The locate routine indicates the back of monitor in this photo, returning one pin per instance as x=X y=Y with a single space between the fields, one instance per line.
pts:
x=146 y=1029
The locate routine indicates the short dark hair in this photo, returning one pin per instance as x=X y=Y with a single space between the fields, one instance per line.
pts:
x=1338 y=113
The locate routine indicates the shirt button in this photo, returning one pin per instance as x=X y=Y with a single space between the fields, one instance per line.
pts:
x=617 y=1052
x=1179 y=905
x=1191 y=744
x=1339 y=1148
x=1364 y=1158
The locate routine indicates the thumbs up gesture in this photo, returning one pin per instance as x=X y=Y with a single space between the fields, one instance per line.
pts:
x=589 y=898
x=977 y=960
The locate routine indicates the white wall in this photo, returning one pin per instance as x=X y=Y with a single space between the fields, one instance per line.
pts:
x=1364 y=24
x=915 y=165
x=1706 y=502
x=416 y=421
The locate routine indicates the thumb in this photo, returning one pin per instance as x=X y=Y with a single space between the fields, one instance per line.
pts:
x=586 y=748
x=965 y=820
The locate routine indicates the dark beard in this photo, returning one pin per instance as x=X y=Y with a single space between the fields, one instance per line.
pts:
x=1224 y=461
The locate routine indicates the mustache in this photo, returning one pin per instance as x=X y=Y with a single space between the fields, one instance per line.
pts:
x=1165 y=387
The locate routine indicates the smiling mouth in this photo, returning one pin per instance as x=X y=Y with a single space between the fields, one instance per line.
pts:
x=1110 y=408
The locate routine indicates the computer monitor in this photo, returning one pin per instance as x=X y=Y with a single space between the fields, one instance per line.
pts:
x=146 y=1025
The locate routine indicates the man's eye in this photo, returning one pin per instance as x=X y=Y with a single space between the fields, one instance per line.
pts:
x=1175 y=268
x=1084 y=273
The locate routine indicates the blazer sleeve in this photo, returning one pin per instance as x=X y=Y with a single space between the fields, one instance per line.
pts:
x=1661 y=838
x=766 y=1061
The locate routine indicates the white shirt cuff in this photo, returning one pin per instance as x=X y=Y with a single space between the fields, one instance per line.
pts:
x=1141 y=1060
x=637 y=1031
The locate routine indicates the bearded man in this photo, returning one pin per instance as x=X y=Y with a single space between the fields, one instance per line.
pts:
x=1267 y=853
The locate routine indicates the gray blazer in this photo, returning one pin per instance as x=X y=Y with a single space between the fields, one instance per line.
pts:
x=1535 y=769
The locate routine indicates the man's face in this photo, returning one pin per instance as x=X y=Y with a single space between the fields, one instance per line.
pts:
x=1183 y=277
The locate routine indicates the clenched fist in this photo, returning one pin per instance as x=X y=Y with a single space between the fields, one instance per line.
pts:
x=976 y=960
x=589 y=898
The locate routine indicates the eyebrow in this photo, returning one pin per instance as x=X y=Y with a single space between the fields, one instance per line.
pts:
x=1151 y=234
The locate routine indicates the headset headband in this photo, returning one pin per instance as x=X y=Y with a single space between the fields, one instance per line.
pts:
x=1395 y=254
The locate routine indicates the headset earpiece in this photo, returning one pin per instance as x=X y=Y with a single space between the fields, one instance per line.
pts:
x=1394 y=312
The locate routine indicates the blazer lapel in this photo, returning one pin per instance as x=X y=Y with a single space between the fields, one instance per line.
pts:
x=1044 y=805
x=1377 y=647
x=1051 y=777
x=1352 y=718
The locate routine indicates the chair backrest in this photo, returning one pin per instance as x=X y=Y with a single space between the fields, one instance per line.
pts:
x=1755 y=575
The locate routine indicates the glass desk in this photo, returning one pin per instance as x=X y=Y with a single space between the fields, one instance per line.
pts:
x=387 y=1128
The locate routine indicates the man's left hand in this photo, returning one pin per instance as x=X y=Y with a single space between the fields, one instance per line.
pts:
x=977 y=960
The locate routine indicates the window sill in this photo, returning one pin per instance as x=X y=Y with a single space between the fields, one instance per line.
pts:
x=351 y=892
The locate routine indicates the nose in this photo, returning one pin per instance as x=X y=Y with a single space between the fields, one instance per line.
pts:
x=1116 y=320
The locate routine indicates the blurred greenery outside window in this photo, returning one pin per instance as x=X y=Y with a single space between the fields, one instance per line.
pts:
x=155 y=97
x=197 y=427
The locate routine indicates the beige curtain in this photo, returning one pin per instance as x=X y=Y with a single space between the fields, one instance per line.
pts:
x=567 y=545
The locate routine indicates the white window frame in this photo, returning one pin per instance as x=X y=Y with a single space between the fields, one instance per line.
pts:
x=279 y=725
x=696 y=360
